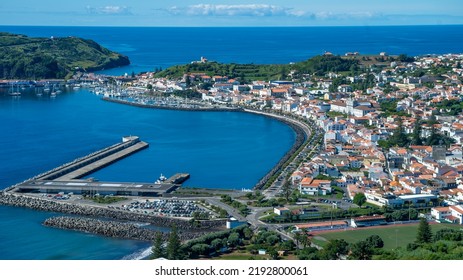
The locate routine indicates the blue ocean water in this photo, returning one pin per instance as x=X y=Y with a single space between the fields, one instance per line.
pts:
x=161 y=47
x=224 y=150
x=39 y=133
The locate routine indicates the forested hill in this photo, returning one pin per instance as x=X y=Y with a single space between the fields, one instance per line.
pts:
x=318 y=65
x=23 y=57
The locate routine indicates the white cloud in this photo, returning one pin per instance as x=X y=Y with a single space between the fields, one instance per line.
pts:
x=263 y=10
x=260 y=10
x=109 y=10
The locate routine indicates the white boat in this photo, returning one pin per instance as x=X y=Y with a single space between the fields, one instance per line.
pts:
x=14 y=93
x=161 y=179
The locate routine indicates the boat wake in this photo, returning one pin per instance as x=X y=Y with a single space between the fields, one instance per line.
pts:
x=139 y=255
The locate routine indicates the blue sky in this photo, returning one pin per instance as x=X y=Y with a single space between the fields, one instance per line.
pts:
x=230 y=12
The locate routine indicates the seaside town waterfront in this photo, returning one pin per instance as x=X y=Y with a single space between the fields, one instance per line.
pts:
x=376 y=146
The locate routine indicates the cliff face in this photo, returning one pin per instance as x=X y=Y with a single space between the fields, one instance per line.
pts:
x=23 y=57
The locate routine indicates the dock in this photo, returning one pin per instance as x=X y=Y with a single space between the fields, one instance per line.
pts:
x=91 y=163
x=66 y=178
x=86 y=187
x=178 y=178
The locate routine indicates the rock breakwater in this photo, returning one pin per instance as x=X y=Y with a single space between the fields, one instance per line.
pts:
x=114 y=229
x=102 y=212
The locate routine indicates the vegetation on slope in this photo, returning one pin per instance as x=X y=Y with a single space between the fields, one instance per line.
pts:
x=35 y=58
x=318 y=65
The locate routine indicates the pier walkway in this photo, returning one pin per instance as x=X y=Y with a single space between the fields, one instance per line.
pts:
x=66 y=178
x=91 y=163
x=93 y=166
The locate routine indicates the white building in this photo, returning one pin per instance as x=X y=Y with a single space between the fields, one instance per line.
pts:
x=453 y=214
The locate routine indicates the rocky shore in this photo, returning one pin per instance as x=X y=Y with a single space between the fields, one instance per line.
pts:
x=114 y=229
x=101 y=212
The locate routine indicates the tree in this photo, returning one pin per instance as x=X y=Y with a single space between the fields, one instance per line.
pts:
x=302 y=238
x=287 y=191
x=375 y=241
x=173 y=245
x=416 y=135
x=287 y=245
x=200 y=249
x=247 y=232
x=272 y=240
x=272 y=253
x=399 y=138
x=448 y=234
x=334 y=249
x=217 y=244
x=424 y=234
x=405 y=58
x=158 y=246
x=234 y=239
x=361 y=250
x=359 y=199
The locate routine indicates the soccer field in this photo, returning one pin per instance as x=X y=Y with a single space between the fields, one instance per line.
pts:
x=393 y=236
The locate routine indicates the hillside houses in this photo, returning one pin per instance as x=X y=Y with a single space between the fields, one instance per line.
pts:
x=352 y=154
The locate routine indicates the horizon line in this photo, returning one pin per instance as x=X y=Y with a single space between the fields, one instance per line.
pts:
x=250 y=26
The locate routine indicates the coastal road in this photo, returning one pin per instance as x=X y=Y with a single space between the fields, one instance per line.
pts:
x=231 y=211
x=276 y=186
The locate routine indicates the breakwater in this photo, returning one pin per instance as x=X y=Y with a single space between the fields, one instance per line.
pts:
x=96 y=160
x=187 y=107
x=114 y=229
x=103 y=212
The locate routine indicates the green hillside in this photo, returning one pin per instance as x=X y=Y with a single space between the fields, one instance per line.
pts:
x=317 y=65
x=23 y=57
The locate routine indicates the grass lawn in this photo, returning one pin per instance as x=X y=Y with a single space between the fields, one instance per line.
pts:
x=398 y=236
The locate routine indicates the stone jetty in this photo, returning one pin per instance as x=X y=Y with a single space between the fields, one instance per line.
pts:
x=36 y=203
x=114 y=229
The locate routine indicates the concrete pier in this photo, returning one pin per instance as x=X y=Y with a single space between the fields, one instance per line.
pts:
x=85 y=187
x=178 y=178
x=91 y=163
x=65 y=178
x=93 y=166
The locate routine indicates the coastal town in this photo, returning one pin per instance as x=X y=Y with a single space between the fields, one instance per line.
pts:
x=381 y=144
x=397 y=142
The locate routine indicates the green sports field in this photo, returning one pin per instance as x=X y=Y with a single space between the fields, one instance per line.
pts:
x=393 y=236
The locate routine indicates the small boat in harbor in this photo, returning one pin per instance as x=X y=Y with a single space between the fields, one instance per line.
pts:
x=12 y=92
x=161 y=179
